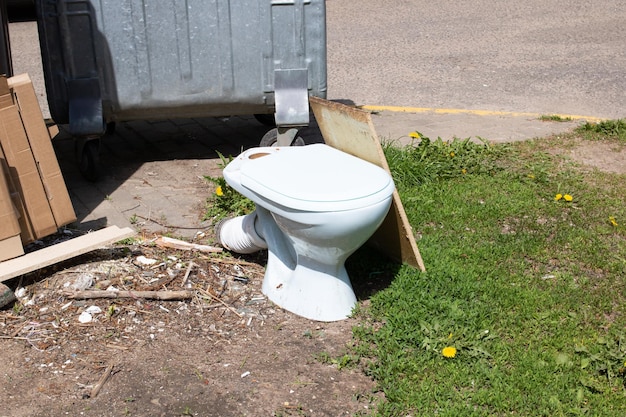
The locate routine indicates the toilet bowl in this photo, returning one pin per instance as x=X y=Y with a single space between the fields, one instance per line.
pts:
x=315 y=205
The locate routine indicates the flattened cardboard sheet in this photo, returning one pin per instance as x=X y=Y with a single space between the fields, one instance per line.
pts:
x=39 y=137
x=25 y=175
x=10 y=240
x=351 y=130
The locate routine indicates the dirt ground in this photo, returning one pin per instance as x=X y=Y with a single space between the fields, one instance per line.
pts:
x=225 y=351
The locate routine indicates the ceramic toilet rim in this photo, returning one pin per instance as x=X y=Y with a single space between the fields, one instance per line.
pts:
x=326 y=194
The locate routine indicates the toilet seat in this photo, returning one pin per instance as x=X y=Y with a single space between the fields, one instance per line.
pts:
x=314 y=178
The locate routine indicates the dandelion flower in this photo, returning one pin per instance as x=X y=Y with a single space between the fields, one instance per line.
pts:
x=558 y=197
x=414 y=135
x=449 y=352
x=218 y=191
x=451 y=154
x=615 y=224
x=463 y=171
x=568 y=197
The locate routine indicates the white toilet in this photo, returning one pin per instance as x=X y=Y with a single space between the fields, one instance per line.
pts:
x=315 y=205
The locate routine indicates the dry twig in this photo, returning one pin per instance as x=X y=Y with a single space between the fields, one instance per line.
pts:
x=168 y=242
x=96 y=388
x=219 y=300
x=152 y=295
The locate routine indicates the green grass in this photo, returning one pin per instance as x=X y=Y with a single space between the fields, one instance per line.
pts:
x=608 y=129
x=554 y=118
x=529 y=289
x=225 y=201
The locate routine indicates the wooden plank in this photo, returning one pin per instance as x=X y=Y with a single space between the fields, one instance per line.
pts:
x=351 y=130
x=62 y=251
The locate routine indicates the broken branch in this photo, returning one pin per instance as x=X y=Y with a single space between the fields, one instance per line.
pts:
x=168 y=242
x=209 y=295
x=186 y=277
x=96 y=388
x=152 y=295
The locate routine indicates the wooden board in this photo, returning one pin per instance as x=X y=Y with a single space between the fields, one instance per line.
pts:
x=352 y=131
x=62 y=251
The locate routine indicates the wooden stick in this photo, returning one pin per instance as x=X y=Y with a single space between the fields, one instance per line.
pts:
x=153 y=295
x=96 y=388
x=221 y=302
x=168 y=242
x=186 y=277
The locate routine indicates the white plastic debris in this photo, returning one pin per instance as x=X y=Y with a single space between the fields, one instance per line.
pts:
x=82 y=282
x=85 y=317
x=142 y=260
x=93 y=310
x=21 y=292
x=245 y=374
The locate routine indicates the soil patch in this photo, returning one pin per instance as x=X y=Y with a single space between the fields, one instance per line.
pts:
x=605 y=156
x=227 y=351
x=609 y=156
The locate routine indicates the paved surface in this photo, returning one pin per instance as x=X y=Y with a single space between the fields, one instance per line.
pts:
x=532 y=56
x=490 y=61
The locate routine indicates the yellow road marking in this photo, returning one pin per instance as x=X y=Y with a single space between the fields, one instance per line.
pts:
x=591 y=119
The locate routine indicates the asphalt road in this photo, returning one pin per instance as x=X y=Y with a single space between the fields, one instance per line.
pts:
x=546 y=57
x=536 y=56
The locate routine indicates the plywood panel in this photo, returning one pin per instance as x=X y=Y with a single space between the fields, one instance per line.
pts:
x=62 y=251
x=352 y=131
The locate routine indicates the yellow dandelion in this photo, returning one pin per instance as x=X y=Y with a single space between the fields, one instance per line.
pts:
x=218 y=191
x=463 y=171
x=414 y=135
x=615 y=224
x=451 y=154
x=449 y=352
x=558 y=197
x=568 y=197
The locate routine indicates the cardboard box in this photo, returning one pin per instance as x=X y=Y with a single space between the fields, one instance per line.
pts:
x=22 y=216
x=34 y=177
x=39 y=137
x=10 y=240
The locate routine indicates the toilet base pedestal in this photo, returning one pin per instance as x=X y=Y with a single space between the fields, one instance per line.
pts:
x=322 y=293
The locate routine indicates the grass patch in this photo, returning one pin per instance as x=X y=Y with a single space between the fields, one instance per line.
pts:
x=605 y=130
x=527 y=287
x=225 y=202
x=554 y=118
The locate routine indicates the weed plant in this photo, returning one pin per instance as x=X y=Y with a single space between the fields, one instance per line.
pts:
x=606 y=130
x=225 y=202
x=554 y=118
x=521 y=309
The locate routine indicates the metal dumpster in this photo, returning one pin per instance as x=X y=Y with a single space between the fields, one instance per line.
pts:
x=106 y=61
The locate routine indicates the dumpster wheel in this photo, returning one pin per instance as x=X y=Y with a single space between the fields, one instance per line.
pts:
x=271 y=139
x=88 y=154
